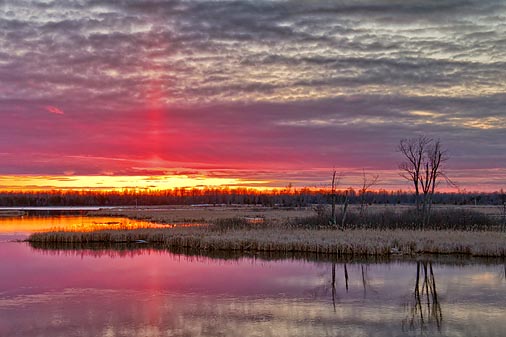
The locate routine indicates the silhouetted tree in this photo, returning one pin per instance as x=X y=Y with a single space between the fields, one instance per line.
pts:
x=368 y=181
x=424 y=167
x=413 y=150
x=335 y=181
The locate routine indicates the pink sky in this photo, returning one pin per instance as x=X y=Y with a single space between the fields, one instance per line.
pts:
x=254 y=94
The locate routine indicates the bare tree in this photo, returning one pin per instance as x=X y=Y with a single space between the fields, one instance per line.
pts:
x=435 y=157
x=336 y=177
x=333 y=196
x=344 y=209
x=368 y=181
x=424 y=167
x=413 y=150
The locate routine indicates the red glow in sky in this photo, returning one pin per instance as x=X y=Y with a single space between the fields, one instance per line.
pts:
x=227 y=93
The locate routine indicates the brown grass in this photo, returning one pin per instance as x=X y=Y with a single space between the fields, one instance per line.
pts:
x=348 y=242
x=237 y=229
x=188 y=214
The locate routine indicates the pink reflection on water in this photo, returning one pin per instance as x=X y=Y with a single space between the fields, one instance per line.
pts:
x=142 y=269
x=153 y=292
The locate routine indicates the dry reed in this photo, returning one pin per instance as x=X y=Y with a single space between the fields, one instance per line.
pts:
x=327 y=241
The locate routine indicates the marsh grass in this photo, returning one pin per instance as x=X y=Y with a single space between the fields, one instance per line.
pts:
x=324 y=241
x=240 y=223
x=377 y=233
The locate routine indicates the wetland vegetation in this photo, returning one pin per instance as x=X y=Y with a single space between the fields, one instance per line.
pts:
x=377 y=232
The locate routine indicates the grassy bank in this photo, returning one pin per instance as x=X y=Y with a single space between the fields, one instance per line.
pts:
x=379 y=231
x=99 y=249
x=270 y=239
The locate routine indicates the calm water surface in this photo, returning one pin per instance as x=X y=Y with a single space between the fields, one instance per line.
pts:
x=150 y=292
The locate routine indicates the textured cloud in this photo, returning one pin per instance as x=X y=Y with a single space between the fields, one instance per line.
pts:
x=250 y=86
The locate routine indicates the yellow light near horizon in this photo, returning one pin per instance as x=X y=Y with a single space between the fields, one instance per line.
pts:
x=109 y=183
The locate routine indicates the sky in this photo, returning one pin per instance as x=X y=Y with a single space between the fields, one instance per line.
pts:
x=160 y=94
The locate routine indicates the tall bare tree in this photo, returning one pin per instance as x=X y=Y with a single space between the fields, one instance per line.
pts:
x=413 y=150
x=423 y=165
x=336 y=177
x=436 y=156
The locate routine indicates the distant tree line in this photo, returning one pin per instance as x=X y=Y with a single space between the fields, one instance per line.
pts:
x=288 y=197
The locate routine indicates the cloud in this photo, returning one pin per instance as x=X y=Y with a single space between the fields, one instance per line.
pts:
x=239 y=85
x=284 y=50
x=54 y=110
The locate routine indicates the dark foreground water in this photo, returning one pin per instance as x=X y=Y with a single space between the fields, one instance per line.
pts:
x=152 y=292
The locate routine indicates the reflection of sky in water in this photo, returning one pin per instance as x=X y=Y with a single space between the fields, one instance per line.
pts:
x=21 y=227
x=148 y=292
x=157 y=293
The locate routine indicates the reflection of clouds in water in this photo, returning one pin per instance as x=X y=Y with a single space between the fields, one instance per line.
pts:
x=48 y=297
x=474 y=312
x=472 y=284
x=131 y=313
x=303 y=281
x=155 y=293
x=485 y=279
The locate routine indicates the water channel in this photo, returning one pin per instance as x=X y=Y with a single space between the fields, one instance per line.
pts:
x=148 y=291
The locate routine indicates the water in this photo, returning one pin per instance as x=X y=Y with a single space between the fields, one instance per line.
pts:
x=58 y=208
x=18 y=228
x=154 y=292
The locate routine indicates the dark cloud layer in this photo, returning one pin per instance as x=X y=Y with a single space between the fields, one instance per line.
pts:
x=261 y=86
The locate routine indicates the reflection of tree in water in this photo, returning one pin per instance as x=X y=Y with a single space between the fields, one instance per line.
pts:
x=334 y=282
x=327 y=287
x=424 y=309
x=365 y=277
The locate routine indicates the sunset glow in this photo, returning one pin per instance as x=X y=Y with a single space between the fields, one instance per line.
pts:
x=166 y=94
x=109 y=183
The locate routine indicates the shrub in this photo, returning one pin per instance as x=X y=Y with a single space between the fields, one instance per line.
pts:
x=444 y=219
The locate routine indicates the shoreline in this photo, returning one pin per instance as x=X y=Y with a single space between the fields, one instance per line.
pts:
x=350 y=242
x=134 y=249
